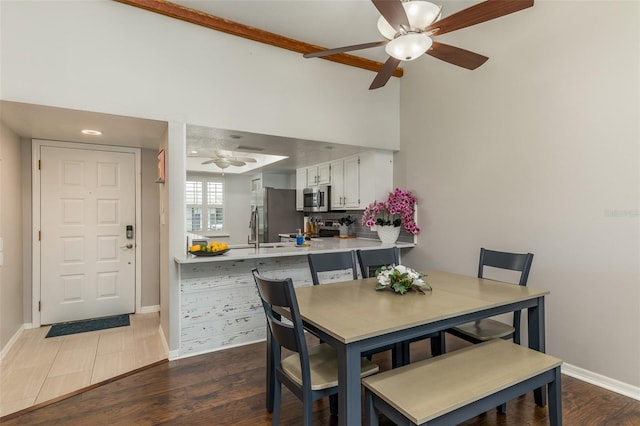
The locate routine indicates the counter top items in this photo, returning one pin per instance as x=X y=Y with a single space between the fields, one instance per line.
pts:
x=214 y=248
x=209 y=253
x=315 y=245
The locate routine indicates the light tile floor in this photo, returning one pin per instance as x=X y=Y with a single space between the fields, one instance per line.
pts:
x=36 y=369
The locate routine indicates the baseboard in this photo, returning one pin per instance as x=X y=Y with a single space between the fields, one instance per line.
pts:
x=149 y=309
x=189 y=355
x=601 y=381
x=12 y=341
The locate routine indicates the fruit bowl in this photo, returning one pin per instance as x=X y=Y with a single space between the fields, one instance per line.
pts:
x=209 y=253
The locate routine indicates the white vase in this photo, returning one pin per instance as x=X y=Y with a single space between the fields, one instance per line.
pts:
x=388 y=234
x=344 y=230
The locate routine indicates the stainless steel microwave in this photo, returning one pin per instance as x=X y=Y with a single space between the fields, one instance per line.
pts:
x=316 y=199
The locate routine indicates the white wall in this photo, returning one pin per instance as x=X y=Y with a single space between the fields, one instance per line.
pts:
x=150 y=235
x=538 y=150
x=237 y=208
x=11 y=233
x=109 y=57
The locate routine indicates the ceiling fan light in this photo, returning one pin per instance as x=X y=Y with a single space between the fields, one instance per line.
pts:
x=222 y=164
x=385 y=29
x=420 y=14
x=409 y=46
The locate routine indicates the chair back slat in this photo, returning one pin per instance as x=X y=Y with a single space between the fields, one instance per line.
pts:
x=371 y=260
x=512 y=261
x=281 y=294
x=284 y=334
x=323 y=262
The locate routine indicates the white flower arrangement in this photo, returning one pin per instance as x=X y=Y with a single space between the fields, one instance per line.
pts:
x=401 y=279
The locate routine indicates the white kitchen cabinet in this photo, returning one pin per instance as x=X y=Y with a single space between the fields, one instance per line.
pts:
x=352 y=183
x=355 y=181
x=345 y=183
x=319 y=174
x=337 y=184
x=301 y=183
x=376 y=176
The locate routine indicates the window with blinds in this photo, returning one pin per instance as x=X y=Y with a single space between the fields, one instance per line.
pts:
x=204 y=199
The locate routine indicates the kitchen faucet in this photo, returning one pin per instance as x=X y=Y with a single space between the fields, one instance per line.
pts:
x=253 y=237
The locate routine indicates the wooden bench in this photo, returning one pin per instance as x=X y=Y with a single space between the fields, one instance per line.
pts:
x=452 y=388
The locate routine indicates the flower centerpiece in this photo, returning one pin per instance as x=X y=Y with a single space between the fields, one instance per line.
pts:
x=401 y=279
x=397 y=210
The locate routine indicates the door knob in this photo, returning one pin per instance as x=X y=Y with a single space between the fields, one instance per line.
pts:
x=128 y=246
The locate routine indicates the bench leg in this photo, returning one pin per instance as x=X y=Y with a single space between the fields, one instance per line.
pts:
x=398 y=354
x=438 y=346
x=405 y=353
x=370 y=415
x=555 y=399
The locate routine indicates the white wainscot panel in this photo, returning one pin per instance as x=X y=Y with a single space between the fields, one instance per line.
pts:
x=220 y=306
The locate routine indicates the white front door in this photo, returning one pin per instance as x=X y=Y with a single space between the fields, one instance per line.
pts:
x=87 y=263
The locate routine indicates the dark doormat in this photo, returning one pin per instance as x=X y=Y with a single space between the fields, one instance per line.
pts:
x=65 y=328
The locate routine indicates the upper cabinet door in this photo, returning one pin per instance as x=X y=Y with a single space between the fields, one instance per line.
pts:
x=337 y=184
x=319 y=175
x=324 y=174
x=351 y=187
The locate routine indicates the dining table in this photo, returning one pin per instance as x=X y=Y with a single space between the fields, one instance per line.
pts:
x=354 y=317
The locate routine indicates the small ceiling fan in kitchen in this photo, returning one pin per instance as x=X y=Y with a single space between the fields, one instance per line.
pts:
x=224 y=159
x=409 y=27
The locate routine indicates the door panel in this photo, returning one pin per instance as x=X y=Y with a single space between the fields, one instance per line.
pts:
x=87 y=200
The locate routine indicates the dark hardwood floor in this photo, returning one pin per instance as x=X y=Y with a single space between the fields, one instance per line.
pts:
x=227 y=388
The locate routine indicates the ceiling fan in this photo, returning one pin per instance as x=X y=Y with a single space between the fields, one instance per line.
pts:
x=408 y=28
x=224 y=159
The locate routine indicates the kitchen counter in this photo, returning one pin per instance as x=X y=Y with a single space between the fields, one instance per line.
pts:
x=219 y=303
x=315 y=245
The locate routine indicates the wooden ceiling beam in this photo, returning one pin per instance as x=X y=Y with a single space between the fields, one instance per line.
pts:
x=234 y=28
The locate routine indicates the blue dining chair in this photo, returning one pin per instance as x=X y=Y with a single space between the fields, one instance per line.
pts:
x=486 y=329
x=370 y=261
x=310 y=373
x=327 y=262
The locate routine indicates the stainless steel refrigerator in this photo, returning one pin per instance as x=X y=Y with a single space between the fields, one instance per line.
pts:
x=276 y=213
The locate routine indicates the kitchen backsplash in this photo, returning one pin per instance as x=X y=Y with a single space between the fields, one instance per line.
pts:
x=332 y=218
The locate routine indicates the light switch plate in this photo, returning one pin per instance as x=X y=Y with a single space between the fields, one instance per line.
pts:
x=1 y=243
x=1 y=259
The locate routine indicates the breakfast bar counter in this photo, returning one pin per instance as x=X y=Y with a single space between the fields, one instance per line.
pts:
x=316 y=245
x=219 y=303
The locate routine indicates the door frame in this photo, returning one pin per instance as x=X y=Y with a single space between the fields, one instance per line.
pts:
x=36 y=144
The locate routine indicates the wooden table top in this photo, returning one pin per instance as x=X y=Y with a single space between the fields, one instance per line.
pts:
x=353 y=310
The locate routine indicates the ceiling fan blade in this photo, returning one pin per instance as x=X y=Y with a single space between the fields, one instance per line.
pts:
x=209 y=161
x=234 y=162
x=244 y=159
x=344 y=49
x=393 y=12
x=456 y=56
x=477 y=14
x=385 y=73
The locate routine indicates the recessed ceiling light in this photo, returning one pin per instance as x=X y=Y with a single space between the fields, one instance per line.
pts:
x=92 y=132
x=194 y=152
